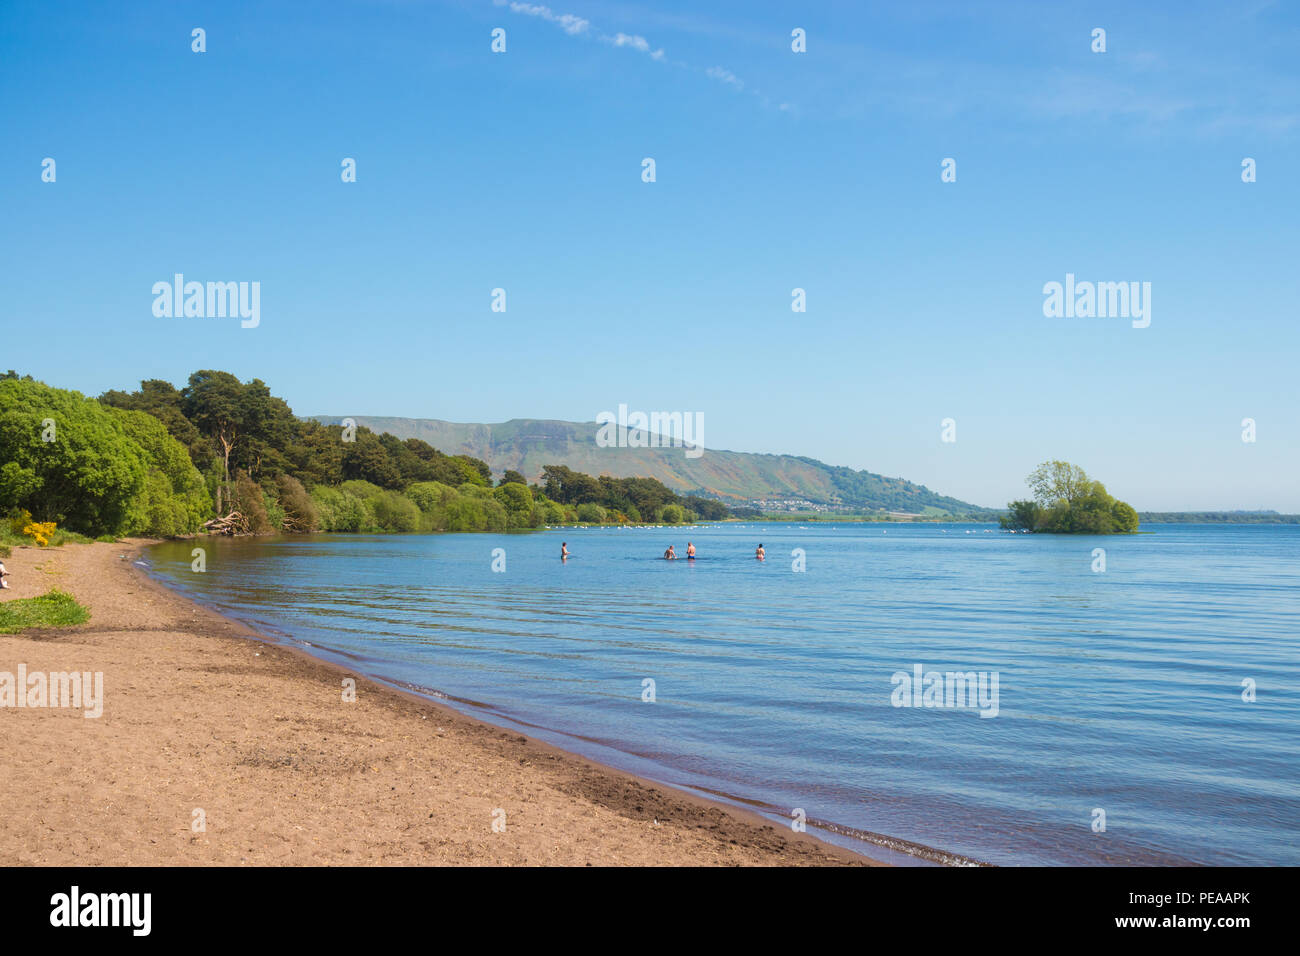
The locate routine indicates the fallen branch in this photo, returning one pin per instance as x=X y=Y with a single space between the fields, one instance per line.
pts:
x=233 y=523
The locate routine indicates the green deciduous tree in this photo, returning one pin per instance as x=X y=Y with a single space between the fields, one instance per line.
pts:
x=1054 y=481
x=518 y=503
x=174 y=500
x=88 y=477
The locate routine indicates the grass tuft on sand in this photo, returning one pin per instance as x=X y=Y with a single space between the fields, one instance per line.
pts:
x=55 y=608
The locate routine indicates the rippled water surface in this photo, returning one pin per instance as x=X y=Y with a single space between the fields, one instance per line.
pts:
x=1119 y=691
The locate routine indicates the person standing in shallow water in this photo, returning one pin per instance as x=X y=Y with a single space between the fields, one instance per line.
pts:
x=564 y=551
x=760 y=553
x=690 y=551
x=670 y=554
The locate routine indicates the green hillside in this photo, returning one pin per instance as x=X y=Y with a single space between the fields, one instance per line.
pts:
x=526 y=445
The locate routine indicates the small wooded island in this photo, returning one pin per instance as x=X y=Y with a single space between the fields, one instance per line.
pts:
x=1067 y=501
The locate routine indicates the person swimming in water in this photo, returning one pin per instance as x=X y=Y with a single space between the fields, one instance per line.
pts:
x=690 y=551
x=564 y=550
x=760 y=553
x=670 y=554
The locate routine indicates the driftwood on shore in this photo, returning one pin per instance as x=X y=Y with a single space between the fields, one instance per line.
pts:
x=237 y=523
x=233 y=523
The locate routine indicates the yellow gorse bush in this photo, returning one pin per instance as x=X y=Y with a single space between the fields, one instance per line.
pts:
x=38 y=531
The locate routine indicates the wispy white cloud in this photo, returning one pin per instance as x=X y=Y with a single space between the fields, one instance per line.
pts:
x=578 y=26
x=636 y=43
x=570 y=24
x=725 y=76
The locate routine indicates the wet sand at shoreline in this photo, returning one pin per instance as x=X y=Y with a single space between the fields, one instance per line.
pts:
x=201 y=714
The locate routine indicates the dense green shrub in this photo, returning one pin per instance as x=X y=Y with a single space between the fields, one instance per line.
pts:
x=1125 y=517
x=430 y=495
x=517 y=501
x=672 y=514
x=395 y=512
x=339 y=511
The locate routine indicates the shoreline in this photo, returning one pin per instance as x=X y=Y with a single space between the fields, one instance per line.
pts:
x=204 y=716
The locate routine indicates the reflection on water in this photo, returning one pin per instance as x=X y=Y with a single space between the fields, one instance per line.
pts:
x=1119 y=691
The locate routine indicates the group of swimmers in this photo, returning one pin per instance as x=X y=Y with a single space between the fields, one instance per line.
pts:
x=670 y=554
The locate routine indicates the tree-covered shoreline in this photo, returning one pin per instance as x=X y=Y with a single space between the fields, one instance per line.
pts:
x=1217 y=517
x=165 y=461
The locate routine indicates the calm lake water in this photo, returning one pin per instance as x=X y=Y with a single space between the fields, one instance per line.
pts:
x=1119 y=691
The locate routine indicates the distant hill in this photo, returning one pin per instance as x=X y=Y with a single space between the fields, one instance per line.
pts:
x=738 y=478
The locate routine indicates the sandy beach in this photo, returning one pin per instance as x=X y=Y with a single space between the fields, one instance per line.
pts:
x=204 y=719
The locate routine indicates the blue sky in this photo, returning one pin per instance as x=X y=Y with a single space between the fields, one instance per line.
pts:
x=775 y=170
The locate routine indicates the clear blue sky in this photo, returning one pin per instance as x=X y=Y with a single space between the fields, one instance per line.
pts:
x=775 y=170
